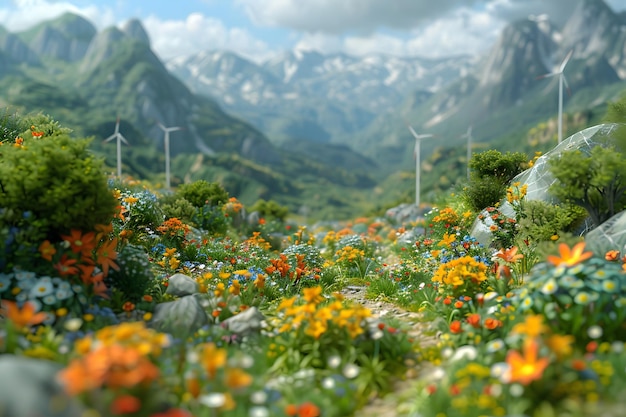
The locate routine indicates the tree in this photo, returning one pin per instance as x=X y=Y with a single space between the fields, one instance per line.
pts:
x=594 y=181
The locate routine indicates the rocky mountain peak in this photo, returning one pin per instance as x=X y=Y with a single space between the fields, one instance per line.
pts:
x=592 y=29
x=66 y=38
x=135 y=30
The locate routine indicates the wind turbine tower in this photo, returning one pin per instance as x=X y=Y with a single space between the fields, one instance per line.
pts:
x=562 y=81
x=119 y=138
x=418 y=168
x=167 y=131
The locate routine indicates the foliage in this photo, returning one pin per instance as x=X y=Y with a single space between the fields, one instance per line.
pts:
x=201 y=193
x=270 y=209
x=593 y=181
x=490 y=172
x=135 y=274
x=50 y=183
x=541 y=221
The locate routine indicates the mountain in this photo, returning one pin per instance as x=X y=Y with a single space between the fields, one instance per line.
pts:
x=501 y=93
x=311 y=96
x=65 y=38
x=116 y=74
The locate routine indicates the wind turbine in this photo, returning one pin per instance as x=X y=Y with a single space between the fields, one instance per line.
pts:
x=120 y=138
x=167 y=131
x=468 y=135
x=562 y=81
x=418 y=168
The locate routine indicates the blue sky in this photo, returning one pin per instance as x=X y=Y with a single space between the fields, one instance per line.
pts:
x=259 y=29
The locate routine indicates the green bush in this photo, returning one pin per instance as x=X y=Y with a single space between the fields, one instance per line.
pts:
x=490 y=173
x=134 y=276
x=202 y=192
x=270 y=209
x=54 y=180
x=539 y=220
x=178 y=207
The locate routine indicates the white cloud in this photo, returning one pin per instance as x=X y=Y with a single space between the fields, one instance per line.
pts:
x=196 y=33
x=463 y=32
x=24 y=14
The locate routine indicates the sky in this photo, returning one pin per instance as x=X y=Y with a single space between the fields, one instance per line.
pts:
x=260 y=29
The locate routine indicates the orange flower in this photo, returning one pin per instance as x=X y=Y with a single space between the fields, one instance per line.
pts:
x=128 y=307
x=106 y=256
x=212 y=358
x=474 y=320
x=66 y=266
x=237 y=378
x=173 y=412
x=509 y=255
x=570 y=257
x=308 y=409
x=125 y=404
x=22 y=317
x=527 y=368
x=491 y=323
x=291 y=410
x=47 y=250
x=612 y=255
x=147 y=298
x=455 y=327
x=81 y=243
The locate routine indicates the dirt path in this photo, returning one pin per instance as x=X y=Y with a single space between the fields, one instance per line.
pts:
x=391 y=404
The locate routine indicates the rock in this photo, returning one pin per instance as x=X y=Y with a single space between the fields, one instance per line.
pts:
x=28 y=387
x=181 y=285
x=180 y=318
x=245 y=323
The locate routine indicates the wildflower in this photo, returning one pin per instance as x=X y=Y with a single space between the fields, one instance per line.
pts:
x=527 y=368
x=509 y=255
x=125 y=404
x=474 y=320
x=128 y=306
x=237 y=378
x=455 y=327
x=81 y=243
x=47 y=250
x=570 y=257
x=612 y=255
x=533 y=326
x=447 y=239
x=312 y=295
x=491 y=323
x=561 y=345
x=66 y=266
x=106 y=256
x=212 y=358
x=22 y=317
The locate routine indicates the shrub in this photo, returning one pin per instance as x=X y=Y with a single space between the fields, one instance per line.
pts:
x=270 y=209
x=490 y=173
x=202 y=192
x=52 y=180
x=135 y=275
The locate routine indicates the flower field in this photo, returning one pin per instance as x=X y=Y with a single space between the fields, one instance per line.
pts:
x=121 y=300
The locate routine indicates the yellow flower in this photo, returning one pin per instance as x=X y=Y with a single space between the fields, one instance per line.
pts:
x=312 y=295
x=237 y=378
x=561 y=345
x=447 y=240
x=212 y=358
x=533 y=326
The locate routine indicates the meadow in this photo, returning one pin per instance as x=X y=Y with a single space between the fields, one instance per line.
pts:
x=122 y=299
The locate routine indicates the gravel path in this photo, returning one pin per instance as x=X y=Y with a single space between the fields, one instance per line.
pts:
x=389 y=405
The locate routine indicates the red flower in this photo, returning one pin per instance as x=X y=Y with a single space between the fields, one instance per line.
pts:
x=125 y=404
x=455 y=327
x=66 y=266
x=474 y=320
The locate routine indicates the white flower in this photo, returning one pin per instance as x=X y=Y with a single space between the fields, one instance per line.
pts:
x=42 y=288
x=259 y=412
x=5 y=283
x=334 y=361
x=465 y=352
x=516 y=390
x=49 y=299
x=595 y=332
x=73 y=324
x=495 y=345
x=258 y=397
x=501 y=371
x=214 y=400
x=351 y=371
x=328 y=383
x=20 y=275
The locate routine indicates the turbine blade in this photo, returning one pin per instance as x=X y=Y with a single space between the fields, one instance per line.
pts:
x=161 y=126
x=541 y=77
x=123 y=139
x=569 y=92
x=566 y=60
x=413 y=132
x=113 y=136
